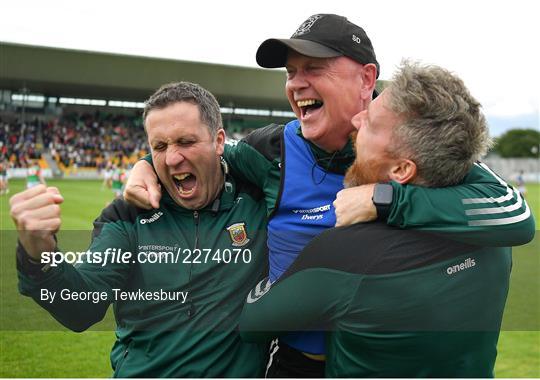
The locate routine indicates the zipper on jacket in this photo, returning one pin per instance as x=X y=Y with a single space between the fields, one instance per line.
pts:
x=196 y=219
x=191 y=309
x=121 y=361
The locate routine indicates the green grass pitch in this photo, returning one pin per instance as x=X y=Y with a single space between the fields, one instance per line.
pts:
x=33 y=345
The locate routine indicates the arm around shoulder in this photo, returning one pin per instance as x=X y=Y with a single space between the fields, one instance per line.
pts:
x=482 y=210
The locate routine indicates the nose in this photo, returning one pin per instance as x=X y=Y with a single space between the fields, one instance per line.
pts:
x=173 y=156
x=297 y=81
x=357 y=119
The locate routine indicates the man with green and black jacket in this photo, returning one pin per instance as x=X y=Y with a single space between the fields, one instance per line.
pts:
x=397 y=303
x=180 y=273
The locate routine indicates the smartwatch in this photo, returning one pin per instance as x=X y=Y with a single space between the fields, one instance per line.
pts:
x=382 y=199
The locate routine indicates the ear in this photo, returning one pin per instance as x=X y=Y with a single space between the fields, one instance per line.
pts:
x=403 y=171
x=369 y=79
x=220 y=142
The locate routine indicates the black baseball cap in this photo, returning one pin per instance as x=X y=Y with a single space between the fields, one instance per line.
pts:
x=320 y=36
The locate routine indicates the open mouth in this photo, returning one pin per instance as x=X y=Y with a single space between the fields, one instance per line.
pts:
x=185 y=183
x=307 y=106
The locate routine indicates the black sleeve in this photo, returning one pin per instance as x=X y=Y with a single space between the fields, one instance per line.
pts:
x=267 y=141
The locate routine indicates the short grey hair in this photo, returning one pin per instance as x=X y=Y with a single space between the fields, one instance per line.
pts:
x=187 y=92
x=444 y=131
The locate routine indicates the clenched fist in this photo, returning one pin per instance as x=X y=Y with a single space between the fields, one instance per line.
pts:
x=36 y=213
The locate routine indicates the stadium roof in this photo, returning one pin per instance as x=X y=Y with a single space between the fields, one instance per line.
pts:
x=76 y=73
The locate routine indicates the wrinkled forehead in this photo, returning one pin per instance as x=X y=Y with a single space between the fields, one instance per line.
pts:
x=177 y=107
x=180 y=118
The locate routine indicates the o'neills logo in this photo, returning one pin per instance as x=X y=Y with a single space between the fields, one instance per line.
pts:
x=306 y=26
x=153 y=218
x=469 y=263
x=260 y=290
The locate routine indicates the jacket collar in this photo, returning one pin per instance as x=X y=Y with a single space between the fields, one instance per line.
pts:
x=335 y=162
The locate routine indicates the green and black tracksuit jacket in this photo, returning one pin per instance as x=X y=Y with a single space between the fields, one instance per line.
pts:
x=217 y=255
x=394 y=303
x=482 y=210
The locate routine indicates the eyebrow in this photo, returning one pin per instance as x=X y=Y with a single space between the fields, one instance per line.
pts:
x=155 y=140
x=184 y=136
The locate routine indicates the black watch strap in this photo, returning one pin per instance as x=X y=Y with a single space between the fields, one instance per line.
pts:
x=383 y=195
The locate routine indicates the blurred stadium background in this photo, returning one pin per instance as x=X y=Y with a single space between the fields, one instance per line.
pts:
x=73 y=112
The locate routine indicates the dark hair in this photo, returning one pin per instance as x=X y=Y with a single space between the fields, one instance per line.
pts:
x=187 y=92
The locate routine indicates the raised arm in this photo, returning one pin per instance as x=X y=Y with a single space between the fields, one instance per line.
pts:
x=35 y=218
x=483 y=210
x=142 y=187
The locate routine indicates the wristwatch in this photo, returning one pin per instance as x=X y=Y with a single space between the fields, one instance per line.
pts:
x=382 y=199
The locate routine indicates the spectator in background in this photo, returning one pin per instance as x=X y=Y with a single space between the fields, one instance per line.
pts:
x=521 y=184
x=74 y=140
x=19 y=142
x=107 y=176
x=89 y=140
x=34 y=176
x=118 y=179
x=4 y=184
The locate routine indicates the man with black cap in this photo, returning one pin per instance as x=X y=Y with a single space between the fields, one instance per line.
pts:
x=331 y=73
x=398 y=303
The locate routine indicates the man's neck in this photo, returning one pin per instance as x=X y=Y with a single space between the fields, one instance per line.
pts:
x=337 y=161
x=326 y=149
x=220 y=182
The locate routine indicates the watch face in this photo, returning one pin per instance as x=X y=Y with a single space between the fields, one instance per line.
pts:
x=383 y=194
